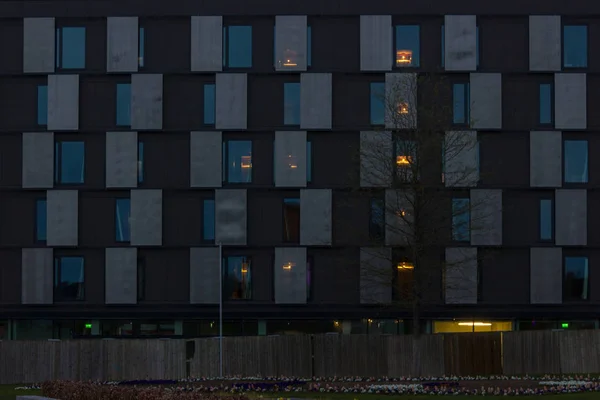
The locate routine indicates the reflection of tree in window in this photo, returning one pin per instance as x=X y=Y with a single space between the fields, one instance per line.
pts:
x=576 y=278
x=238 y=278
x=461 y=220
x=69 y=278
x=291 y=220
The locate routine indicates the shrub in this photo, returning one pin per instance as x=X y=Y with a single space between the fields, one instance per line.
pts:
x=69 y=390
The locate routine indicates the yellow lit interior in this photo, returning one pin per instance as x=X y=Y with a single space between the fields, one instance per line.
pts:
x=403 y=57
x=403 y=160
x=403 y=108
x=288 y=265
x=246 y=162
x=471 y=326
x=401 y=213
x=292 y=161
x=244 y=268
x=289 y=58
x=405 y=266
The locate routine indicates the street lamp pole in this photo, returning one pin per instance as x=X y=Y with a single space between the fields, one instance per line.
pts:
x=220 y=310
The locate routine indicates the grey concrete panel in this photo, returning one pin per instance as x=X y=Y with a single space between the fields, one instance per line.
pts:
x=204 y=275
x=231 y=217
x=146 y=217
x=62 y=209
x=315 y=101
x=460 y=41
x=486 y=217
x=63 y=102
x=376 y=159
x=315 y=217
x=376 y=275
x=545 y=40
x=401 y=90
x=290 y=37
x=206 y=159
x=38 y=45
x=121 y=159
x=545 y=266
x=399 y=221
x=290 y=275
x=290 y=159
x=376 y=44
x=461 y=275
x=37 y=272
x=570 y=207
x=207 y=44
x=122 y=44
x=38 y=160
x=570 y=101
x=146 y=101
x=121 y=273
x=545 y=159
x=461 y=159
x=231 y=106
x=486 y=101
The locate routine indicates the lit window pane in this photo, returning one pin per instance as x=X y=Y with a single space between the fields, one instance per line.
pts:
x=73 y=48
x=576 y=161
x=377 y=103
x=407 y=46
x=291 y=100
x=575 y=46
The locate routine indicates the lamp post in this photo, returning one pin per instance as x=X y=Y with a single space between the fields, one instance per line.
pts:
x=220 y=310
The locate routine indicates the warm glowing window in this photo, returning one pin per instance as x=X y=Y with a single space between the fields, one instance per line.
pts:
x=237 y=161
x=471 y=326
x=292 y=163
x=237 y=274
x=407 y=38
x=405 y=266
x=403 y=108
x=403 y=161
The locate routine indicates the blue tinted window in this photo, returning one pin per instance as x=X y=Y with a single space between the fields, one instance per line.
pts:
x=123 y=104
x=69 y=278
x=377 y=219
x=377 y=103
x=576 y=279
x=308 y=46
x=40 y=220
x=460 y=103
x=140 y=162
x=71 y=50
x=208 y=228
x=407 y=45
x=237 y=160
x=122 y=210
x=461 y=216
x=237 y=278
x=69 y=160
x=575 y=46
x=444 y=45
x=291 y=104
x=546 y=219
x=42 y=105
x=545 y=103
x=209 y=103
x=309 y=161
x=238 y=46
x=142 y=47
x=576 y=161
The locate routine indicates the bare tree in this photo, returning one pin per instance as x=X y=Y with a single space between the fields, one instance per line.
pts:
x=415 y=160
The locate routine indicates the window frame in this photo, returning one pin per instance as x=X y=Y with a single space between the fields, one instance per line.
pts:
x=587 y=46
x=225 y=162
x=564 y=162
x=569 y=299
x=225 y=273
x=226 y=37
x=58 y=158
x=57 y=275
x=37 y=217
x=395 y=47
x=539 y=121
x=59 y=47
x=285 y=237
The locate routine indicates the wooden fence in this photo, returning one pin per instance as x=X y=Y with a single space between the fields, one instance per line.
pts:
x=303 y=356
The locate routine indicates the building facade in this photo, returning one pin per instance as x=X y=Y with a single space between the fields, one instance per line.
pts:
x=137 y=136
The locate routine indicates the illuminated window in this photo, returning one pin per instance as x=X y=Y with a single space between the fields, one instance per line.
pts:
x=407 y=47
x=237 y=278
x=237 y=161
x=405 y=159
x=471 y=326
x=403 y=108
x=289 y=57
x=403 y=279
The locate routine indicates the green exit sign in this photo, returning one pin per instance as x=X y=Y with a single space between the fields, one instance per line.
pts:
x=89 y=326
x=565 y=325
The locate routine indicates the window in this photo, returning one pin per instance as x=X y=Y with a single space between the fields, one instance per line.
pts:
x=289 y=57
x=70 y=48
x=291 y=220
x=122 y=216
x=237 y=278
x=575 y=47
x=237 y=46
x=141 y=47
x=308 y=161
x=377 y=219
x=208 y=219
x=42 y=105
x=377 y=103
x=291 y=103
x=546 y=104
x=403 y=280
x=40 y=220
x=69 y=162
x=576 y=283
x=444 y=45
x=209 y=103
x=461 y=103
x=461 y=216
x=69 y=278
x=140 y=162
x=546 y=219
x=123 y=104
x=405 y=159
x=576 y=161
x=309 y=46
x=141 y=278
x=407 y=45
x=237 y=161
x=309 y=270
